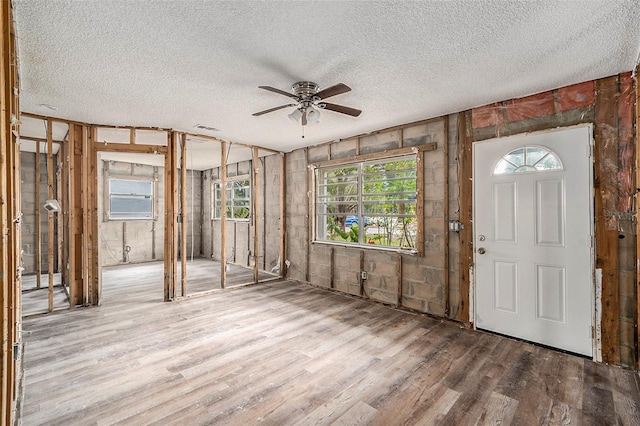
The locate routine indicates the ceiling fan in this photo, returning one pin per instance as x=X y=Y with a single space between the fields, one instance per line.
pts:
x=308 y=101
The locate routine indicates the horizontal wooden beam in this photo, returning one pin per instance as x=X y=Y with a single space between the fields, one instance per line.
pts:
x=139 y=149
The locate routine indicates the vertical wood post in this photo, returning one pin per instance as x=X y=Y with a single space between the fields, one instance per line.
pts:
x=223 y=215
x=307 y=243
x=283 y=211
x=38 y=206
x=332 y=272
x=256 y=207
x=637 y=186
x=51 y=231
x=465 y=142
x=399 y=275
x=169 y=261
x=606 y=151
x=183 y=214
x=445 y=213
x=420 y=178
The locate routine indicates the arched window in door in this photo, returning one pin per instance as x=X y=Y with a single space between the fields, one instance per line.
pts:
x=528 y=159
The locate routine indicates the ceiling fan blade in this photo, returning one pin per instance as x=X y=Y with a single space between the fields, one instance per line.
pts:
x=272 y=109
x=333 y=91
x=342 y=109
x=282 y=92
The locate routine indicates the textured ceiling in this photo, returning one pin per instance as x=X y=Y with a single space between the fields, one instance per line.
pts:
x=175 y=64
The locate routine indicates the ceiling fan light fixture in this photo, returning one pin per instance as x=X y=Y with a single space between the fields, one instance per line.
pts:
x=313 y=116
x=296 y=115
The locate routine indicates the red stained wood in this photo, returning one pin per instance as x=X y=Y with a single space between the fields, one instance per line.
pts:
x=530 y=107
x=488 y=115
x=576 y=96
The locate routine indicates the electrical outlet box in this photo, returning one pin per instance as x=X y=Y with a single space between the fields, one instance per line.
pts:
x=363 y=275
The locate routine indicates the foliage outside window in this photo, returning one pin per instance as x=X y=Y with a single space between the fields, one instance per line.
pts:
x=371 y=202
x=238 y=199
x=130 y=199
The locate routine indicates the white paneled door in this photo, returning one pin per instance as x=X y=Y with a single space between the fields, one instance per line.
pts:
x=533 y=234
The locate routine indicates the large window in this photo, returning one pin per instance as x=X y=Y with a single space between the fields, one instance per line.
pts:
x=238 y=199
x=372 y=202
x=130 y=199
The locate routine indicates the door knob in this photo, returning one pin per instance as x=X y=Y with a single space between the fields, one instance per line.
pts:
x=481 y=250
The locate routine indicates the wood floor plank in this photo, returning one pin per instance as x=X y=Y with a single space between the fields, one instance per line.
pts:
x=282 y=353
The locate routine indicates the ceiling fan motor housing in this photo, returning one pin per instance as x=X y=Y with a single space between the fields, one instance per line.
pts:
x=305 y=89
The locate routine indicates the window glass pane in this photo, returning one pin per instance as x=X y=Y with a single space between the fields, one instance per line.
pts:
x=141 y=187
x=372 y=202
x=130 y=199
x=238 y=194
x=528 y=159
x=516 y=157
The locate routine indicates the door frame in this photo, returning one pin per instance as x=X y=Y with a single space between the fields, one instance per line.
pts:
x=596 y=274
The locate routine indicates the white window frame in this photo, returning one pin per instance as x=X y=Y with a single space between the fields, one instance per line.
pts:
x=115 y=217
x=320 y=223
x=216 y=213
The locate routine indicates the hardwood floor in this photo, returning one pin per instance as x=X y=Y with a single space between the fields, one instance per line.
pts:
x=285 y=353
x=36 y=300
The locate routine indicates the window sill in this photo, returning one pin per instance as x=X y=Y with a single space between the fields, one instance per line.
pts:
x=407 y=251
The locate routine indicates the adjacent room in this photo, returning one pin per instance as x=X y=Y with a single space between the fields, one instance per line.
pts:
x=284 y=212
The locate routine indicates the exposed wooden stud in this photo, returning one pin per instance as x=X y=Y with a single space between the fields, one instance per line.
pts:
x=173 y=148
x=420 y=178
x=223 y=215
x=376 y=155
x=362 y=292
x=332 y=266
x=65 y=195
x=168 y=222
x=10 y=314
x=445 y=213
x=637 y=203
x=60 y=216
x=256 y=210
x=282 y=220
x=95 y=276
x=606 y=152
x=183 y=214
x=399 y=275
x=263 y=168
x=38 y=219
x=401 y=137
x=125 y=255
x=128 y=148
x=132 y=136
x=307 y=225
x=50 y=237
x=85 y=213
x=465 y=142
x=42 y=140
x=358 y=146
x=156 y=204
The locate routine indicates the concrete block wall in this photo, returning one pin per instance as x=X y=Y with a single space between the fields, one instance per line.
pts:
x=297 y=216
x=146 y=237
x=240 y=233
x=422 y=277
x=29 y=208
